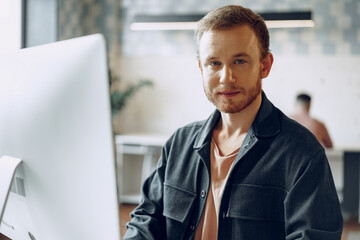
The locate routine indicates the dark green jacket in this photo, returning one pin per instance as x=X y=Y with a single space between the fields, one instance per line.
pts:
x=280 y=187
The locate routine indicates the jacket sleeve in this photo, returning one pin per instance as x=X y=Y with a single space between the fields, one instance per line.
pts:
x=147 y=221
x=312 y=208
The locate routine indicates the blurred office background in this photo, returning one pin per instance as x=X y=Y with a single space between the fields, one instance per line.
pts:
x=322 y=61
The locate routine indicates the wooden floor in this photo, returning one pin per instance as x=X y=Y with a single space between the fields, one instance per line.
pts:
x=350 y=225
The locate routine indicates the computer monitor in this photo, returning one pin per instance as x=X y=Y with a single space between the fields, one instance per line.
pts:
x=55 y=116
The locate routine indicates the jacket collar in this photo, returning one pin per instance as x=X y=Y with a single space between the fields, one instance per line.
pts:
x=266 y=123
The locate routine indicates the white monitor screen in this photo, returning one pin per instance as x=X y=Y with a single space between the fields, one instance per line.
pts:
x=55 y=116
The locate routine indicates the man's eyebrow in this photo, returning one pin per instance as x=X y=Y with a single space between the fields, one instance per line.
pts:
x=213 y=57
x=210 y=58
x=241 y=55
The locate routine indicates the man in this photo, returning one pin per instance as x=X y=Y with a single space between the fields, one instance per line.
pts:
x=247 y=172
x=302 y=116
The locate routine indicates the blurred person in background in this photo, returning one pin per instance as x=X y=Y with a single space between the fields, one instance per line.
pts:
x=302 y=116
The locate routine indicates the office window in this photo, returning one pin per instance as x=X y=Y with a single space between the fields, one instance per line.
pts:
x=10 y=24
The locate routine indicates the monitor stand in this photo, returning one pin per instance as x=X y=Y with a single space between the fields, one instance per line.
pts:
x=8 y=166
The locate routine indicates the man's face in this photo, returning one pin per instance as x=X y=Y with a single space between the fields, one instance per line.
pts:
x=231 y=67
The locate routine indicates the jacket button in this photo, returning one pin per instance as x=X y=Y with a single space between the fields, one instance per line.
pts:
x=192 y=227
x=202 y=194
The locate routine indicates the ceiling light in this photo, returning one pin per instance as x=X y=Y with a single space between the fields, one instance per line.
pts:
x=297 y=19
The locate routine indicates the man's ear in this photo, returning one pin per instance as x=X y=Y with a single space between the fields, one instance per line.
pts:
x=200 y=67
x=266 y=64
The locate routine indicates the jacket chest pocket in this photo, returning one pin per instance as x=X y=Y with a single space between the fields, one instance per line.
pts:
x=256 y=202
x=177 y=202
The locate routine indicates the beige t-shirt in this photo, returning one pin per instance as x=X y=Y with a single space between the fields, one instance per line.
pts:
x=220 y=168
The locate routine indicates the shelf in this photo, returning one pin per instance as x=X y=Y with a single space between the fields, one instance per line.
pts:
x=130 y=198
x=141 y=139
x=138 y=149
x=132 y=173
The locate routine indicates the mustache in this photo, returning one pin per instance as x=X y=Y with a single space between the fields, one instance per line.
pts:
x=230 y=88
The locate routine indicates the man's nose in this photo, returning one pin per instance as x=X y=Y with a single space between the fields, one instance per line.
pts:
x=227 y=75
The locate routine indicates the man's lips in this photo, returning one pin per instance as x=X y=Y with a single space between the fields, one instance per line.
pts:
x=229 y=93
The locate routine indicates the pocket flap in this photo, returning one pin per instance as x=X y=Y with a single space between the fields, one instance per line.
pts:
x=256 y=202
x=177 y=202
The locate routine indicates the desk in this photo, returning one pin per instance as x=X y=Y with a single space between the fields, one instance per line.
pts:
x=137 y=155
x=132 y=170
x=350 y=191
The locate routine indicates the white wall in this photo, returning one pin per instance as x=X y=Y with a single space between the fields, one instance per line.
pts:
x=334 y=85
x=177 y=97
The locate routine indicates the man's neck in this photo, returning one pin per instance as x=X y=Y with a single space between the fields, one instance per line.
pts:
x=240 y=122
x=300 y=115
x=301 y=110
x=233 y=127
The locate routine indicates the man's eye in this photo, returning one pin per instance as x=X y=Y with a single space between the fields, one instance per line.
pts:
x=239 y=61
x=215 y=63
